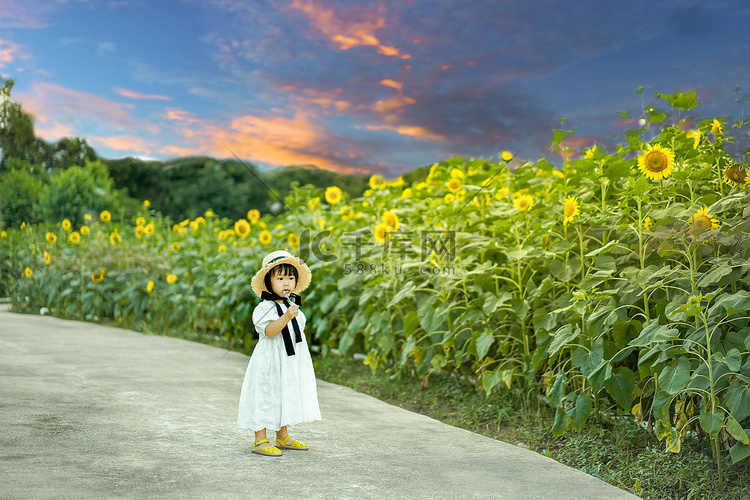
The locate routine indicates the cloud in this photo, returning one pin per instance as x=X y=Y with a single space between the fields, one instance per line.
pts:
x=28 y=14
x=58 y=109
x=102 y=49
x=127 y=143
x=274 y=140
x=350 y=27
x=136 y=95
x=10 y=52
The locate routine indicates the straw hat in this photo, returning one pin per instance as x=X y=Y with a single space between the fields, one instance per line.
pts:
x=272 y=260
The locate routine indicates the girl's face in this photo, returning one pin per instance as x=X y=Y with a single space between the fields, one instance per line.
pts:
x=281 y=283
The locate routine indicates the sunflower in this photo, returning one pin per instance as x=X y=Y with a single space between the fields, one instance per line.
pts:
x=265 y=237
x=105 y=216
x=242 y=228
x=457 y=173
x=449 y=198
x=150 y=286
x=87 y=217
x=74 y=238
x=648 y=223
x=194 y=225
x=146 y=203
x=139 y=232
x=524 y=202
x=85 y=230
x=51 y=238
x=390 y=219
x=570 y=209
x=293 y=241
x=97 y=277
x=221 y=249
x=736 y=174
x=28 y=272
x=406 y=194
x=171 y=278
x=381 y=232
x=433 y=170
x=657 y=163
x=376 y=181
x=3 y=234
x=209 y=213
x=695 y=135
x=454 y=184
x=66 y=225
x=140 y=221
x=716 y=127
x=115 y=237
x=333 y=195
x=47 y=258
x=701 y=222
x=253 y=215
x=185 y=223
x=174 y=247
x=506 y=156
x=313 y=203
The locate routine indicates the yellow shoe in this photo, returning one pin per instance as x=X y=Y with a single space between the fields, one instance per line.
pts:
x=290 y=444
x=263 y=447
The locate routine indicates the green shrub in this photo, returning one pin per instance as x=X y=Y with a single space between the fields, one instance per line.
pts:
x=77 y=191
x=19 y=191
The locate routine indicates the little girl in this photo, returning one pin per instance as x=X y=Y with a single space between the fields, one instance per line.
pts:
x=279 y=387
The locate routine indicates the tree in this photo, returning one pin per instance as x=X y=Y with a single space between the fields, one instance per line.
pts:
x=76 y=191
x=70 y=151
x=20 y=190
x=17 y=139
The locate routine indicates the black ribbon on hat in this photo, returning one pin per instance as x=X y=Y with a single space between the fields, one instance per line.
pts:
x=288 y=344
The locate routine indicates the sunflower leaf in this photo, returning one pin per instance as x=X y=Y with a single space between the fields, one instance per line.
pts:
x=681 y=100
x=727 y=203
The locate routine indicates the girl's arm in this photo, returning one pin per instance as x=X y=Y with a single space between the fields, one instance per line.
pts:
x=275 y=327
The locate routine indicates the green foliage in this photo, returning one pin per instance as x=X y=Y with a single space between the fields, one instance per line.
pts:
x=592 y=287
x=19 y=191
x=76 y=191
x=17 y=139
x=187 y=187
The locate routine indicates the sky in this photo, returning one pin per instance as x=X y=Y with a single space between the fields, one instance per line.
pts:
x=362 y=86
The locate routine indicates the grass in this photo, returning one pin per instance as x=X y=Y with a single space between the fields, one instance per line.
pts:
x=615 y=450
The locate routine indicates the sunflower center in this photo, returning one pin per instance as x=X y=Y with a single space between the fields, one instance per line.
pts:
x=656 y=161
x=736 y=173
x=569 y=210
x=701 y=223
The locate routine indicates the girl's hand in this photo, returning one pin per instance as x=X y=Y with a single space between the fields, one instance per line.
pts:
x=292 y=312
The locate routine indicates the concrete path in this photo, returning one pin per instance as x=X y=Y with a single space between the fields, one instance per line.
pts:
x=93 y=412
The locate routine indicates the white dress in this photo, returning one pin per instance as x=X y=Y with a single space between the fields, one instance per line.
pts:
x=278 y=390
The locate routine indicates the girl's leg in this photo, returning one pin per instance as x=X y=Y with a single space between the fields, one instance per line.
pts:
x=282 y=433
x=260 y=435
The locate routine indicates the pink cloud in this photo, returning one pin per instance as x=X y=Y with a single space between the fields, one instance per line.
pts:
x=10 y=52
x=340 y=28
x=409 y=131
x=123 y=143
x=56 y=109
x=131 y=94
x=274 y=140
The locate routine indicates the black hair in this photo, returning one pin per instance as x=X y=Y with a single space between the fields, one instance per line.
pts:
x=283 y=270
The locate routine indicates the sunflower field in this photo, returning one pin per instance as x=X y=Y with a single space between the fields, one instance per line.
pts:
x=616 y=281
